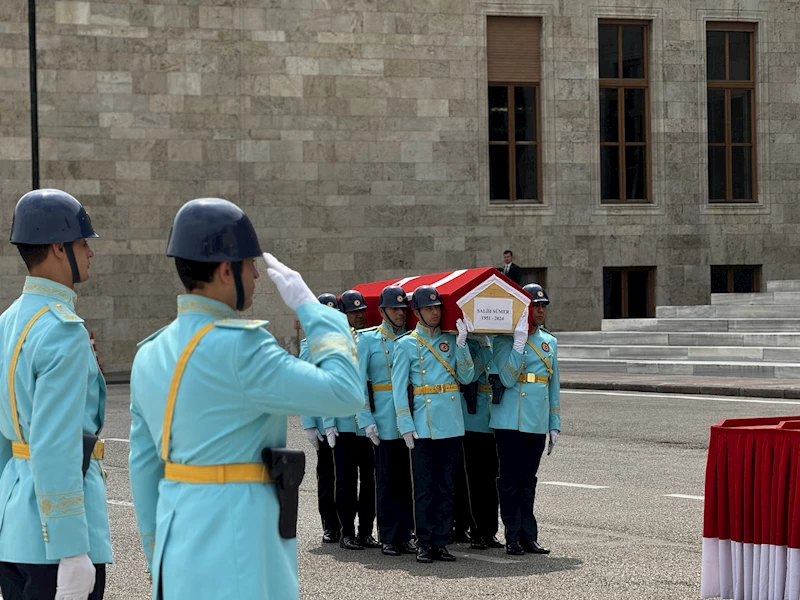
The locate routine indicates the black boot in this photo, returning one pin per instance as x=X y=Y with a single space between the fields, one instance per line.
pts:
x=478 y=543
x=493 y=542
x=424 y=555
x=367 y=541
x=348 y=542
x=514 y=549
x=443 y=554
x=390 y=550
x=409 y=547
x=330 y=536
x=533 y=547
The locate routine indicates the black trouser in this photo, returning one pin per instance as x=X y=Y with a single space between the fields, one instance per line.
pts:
x=480 y=458
x=462 y=511
x=435 y=464
x=355 y=460
x=519 y=455
x=395 y=498
x=326 y=487
x=38 y=582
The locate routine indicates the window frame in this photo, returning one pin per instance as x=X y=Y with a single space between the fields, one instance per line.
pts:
x=621 y=84
x=728 y=85
x=541 y=272
x=651 y=289
x=731 y=269
x=512 y=143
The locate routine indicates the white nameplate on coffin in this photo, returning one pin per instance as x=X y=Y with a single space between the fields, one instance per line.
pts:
x=494 y=313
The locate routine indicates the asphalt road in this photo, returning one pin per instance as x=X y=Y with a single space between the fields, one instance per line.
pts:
x=622 y=537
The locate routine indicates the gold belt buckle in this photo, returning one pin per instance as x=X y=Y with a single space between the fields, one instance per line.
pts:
x=439 y=387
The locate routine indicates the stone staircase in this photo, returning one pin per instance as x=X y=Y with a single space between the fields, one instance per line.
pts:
x=738 y=335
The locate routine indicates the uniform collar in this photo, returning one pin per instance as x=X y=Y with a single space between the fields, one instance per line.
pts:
x=192 y=303
x=48 y=287
x=389 y=329
x=427 y=332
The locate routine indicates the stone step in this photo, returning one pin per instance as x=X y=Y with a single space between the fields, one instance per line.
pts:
x=702 y=325
x=644 y=338
x=765 y=370
x=732 y=311
x=757 y=298
x=784 y=285
x=696 y=353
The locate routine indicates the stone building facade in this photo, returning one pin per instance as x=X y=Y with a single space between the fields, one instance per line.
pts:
x=355 y=134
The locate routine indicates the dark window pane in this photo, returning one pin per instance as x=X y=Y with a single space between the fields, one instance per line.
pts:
x=741 y=169
x=719 y=280
x=744 y=280
x=608 y=51
x=526 y=173
x=716 y=116
x=633 y=52
x=609 y=172
x=740 y=117
x=612 y=294
x=635 y=122
x=498 y=173
x=635 y=173
x=638 y=294
x=715 y=55
x=532 y=276
x=498 y=113
x=716 y=173
x=739 y=55
x=525 y=113
x=609 y=117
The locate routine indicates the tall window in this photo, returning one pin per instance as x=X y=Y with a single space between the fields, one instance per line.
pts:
x=730 y=73
x=513 y=60
x=624 y=112
x=629 y=292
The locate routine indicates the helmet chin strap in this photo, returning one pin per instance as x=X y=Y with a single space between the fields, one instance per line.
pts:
x=388 y=318
x=73 y=264
x=421 y=318
x=236 y=267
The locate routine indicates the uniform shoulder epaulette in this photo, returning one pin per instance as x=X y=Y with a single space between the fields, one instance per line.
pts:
x=63 y=313
x=366 y=329
x=550 y=333
x=401 y=336
x=241 y=323
x=152 y=336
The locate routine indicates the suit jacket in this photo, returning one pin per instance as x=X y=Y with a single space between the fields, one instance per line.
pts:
x=514 y=272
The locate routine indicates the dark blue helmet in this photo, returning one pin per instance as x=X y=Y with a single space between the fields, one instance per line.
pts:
x=425 y=295
x=352 y=300
x=537 y=293
x=212 y=230
x=329 y=300
x=50 y=217
x=393 y=296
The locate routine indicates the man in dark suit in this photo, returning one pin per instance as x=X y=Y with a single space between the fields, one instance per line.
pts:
x=510 y=269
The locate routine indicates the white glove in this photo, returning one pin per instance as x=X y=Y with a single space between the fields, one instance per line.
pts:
x=313 y=437
x=75 y=579
x=521 y=332
x=553 y=438
x=372 y=434
x=290 y=284
x=409 y=438
x=331 y=433
x=461 y=338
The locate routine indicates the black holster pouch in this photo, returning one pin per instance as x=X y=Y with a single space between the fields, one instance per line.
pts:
x=371 y=396
x=498 y=389
x=470 y=391
x=410 y=392
x=287 y=468
x=89 y=442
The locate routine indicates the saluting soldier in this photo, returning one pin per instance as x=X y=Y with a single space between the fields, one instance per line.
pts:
x=352 y=451
x=529 y=411
x=55 y=540
x=431 y=364
x=379 y=422
x=215 y=490
x=315 y=434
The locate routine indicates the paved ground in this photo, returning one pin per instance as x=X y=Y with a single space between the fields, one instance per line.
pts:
x=626 y=540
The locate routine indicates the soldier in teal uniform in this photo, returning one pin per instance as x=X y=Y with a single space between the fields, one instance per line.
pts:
x=428 y=367
x=379 y=421
x=527 y=416
x=315 y=434
x=55 y=539
x=352 y=452
x=214 y=488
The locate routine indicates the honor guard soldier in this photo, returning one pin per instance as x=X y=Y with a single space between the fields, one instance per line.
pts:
x=214 y=488
x=55 y=540
x=315 y=434
x=352 y=452
x=428 y=367
x=529 y=410
x=379 y=421
x=480 y=453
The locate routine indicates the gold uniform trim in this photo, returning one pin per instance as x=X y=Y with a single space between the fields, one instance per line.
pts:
x=382 y=387
x=13 y=369
x=531 y=378
x=23 y=450
x=485 y=387
x=55 y=506
x=544 y=360
x=437 y=389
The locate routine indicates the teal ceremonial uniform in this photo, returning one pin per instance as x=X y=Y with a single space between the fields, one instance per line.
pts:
x=349 y=424
x=482 y=357
x=375 y=356
x=212 y=540
x=306 y=421
x=48 y=510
